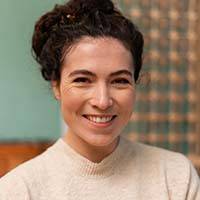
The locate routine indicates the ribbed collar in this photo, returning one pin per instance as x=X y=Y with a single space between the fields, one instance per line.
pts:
x=81 y=166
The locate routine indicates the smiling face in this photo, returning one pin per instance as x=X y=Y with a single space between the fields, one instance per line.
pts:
x=96 y=91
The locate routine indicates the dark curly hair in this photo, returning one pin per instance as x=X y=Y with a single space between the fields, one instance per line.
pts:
x=56 y=31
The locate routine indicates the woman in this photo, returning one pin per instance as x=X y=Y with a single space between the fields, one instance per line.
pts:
x=92 y=55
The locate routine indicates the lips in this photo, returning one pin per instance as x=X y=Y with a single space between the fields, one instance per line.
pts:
x=100 y=118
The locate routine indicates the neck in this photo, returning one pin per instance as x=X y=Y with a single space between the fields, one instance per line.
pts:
x=93 y=153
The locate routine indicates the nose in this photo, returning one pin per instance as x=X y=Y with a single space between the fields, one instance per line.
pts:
x=101 y=98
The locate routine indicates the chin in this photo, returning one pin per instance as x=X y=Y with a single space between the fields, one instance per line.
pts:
x=101 y=140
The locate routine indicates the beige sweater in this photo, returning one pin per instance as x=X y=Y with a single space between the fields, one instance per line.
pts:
x=132 y=172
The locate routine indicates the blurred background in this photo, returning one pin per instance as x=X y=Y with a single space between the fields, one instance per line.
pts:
x=167 y=110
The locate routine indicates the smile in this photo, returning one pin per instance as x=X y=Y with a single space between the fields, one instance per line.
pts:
x=100 y=119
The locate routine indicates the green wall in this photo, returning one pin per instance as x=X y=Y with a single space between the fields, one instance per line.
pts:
x=28 y=110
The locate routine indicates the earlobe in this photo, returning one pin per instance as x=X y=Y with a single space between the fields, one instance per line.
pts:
x=56 y=89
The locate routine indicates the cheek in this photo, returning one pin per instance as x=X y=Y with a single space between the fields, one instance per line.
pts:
x=126 y=102
x=72 y=99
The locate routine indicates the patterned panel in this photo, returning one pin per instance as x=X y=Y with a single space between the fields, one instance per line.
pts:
x=166 y=108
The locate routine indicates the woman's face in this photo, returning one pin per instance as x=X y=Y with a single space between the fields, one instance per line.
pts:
x=96 y=91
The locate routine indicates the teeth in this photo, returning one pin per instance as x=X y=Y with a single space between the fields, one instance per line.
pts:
x=99 y=119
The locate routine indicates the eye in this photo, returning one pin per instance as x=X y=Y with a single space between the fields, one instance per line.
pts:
x=121 y=81
x=82 y=80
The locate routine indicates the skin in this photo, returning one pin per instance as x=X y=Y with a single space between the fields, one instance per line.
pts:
x=96 y=80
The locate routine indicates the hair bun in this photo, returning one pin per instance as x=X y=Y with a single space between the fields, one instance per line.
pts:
x=82 y=7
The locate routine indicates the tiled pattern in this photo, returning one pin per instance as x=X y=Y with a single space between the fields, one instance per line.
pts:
x=166 y=108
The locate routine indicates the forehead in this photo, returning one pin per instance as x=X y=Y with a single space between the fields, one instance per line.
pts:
x=101 y=52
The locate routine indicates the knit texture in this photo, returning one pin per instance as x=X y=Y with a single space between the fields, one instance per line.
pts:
x=132 y=171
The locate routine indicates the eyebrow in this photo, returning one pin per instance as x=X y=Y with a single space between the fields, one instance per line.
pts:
x=86 y=72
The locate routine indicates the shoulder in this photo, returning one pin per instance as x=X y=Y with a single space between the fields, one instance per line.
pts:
x=162 y=159
x=12 y=186
x=30 y=175
x=17 y=182
x=170 y=163
x=166 y=167
x=151 y=154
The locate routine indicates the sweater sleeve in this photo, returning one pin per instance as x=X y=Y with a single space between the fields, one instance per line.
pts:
x=194 y=185
x=13 y=187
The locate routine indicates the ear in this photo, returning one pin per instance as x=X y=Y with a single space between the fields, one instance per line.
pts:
x=56 y=89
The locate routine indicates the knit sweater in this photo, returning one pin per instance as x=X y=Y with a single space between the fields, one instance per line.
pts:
x=133 y=171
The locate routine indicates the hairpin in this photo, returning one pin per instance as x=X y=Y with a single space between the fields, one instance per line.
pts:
x=71 y=17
